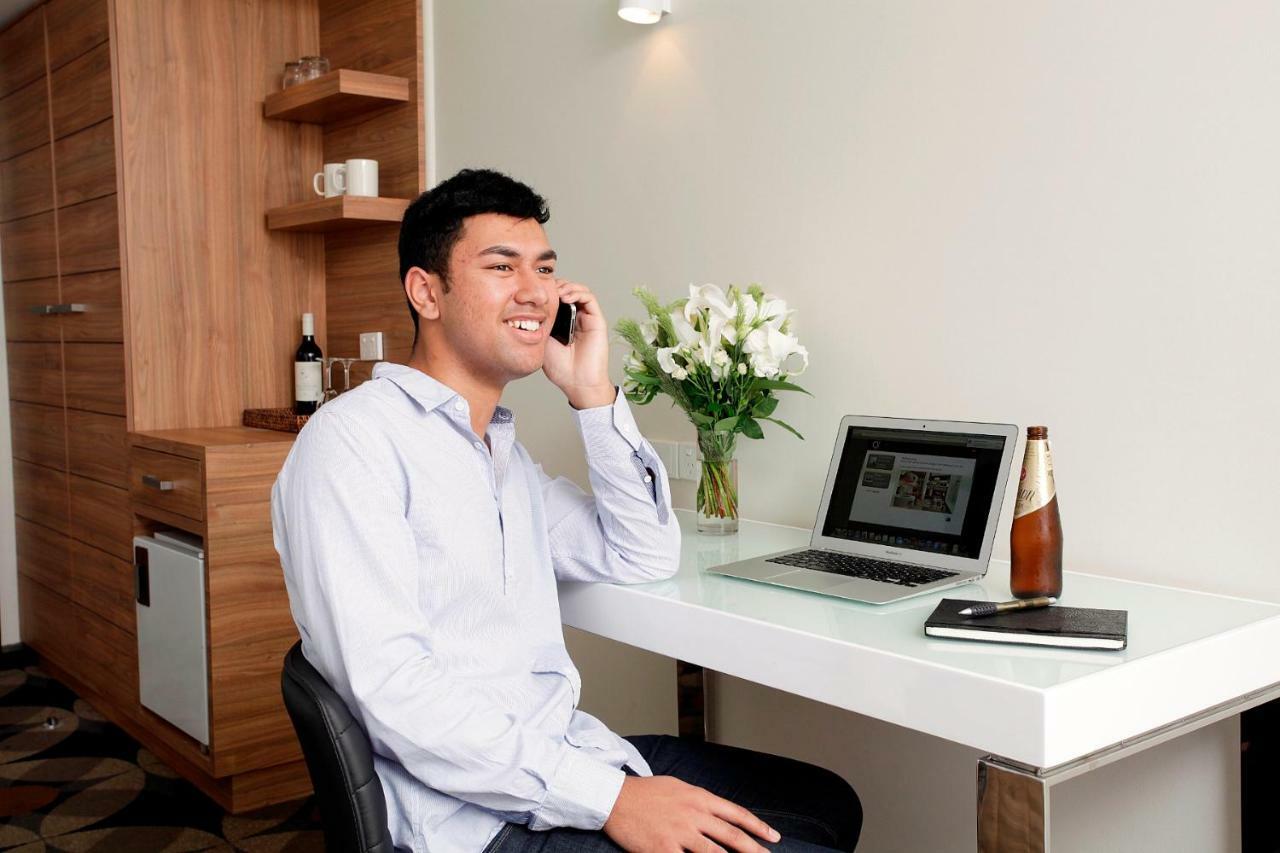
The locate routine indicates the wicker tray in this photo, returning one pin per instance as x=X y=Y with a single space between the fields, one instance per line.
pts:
x=281 y=420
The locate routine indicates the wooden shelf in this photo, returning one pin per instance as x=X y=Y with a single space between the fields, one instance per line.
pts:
x=337 y=213
x=336 y=95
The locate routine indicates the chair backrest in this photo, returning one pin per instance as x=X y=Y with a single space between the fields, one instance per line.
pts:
x=339 y=759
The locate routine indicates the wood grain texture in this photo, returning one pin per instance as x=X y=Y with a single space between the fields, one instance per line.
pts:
x=366 y=294
x=194 y=443
x=186 y=497
x=103 y=584
x=22 y=51
x=29 y=248
x=80 y=92
x=86 y=164
x=268 y=786
x=103 y=318
x=40 y=495
x=340 y=94
x=39 y=434
x=100 y=516
x=340 y=213
x=35 y=373
x=20 y=323
x=250 y=626
x=89 y=236
x=97 y=447
x=107 y=657
x=44 y=555
x=95 y=377
x=74 y=27
x=195 y=201
x=26 y=184
x=46 y=625
x=24 y=119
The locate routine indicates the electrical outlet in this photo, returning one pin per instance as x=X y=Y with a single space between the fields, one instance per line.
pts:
x=371 y=346
x=688 y=460
x=666 y=451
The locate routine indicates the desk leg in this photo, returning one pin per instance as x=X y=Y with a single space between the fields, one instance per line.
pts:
x=1013 y=809
x=691 y=701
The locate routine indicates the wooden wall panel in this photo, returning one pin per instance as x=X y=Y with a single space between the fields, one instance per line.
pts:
x=45 y=624
x=365 y=293
x=98 y=447
x=89 y=237
x=80 y=92
x=103 y=584
x=20 y=322
x=44 y=555
x=29 y=247
x=195 y=205
x=74 y=27
x=40 y=495
x=100 y=516
x=86 y=164
x=26 y=184
x=99 y=293
x=95 y=377
x=35 y=373
x=39 y=434
x=107 y=658
x=24 y=119
x=22 y=52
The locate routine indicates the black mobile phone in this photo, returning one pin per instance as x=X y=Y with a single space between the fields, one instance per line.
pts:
x=566 y=324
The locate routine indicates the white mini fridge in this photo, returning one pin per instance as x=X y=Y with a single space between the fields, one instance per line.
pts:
x=173 y=655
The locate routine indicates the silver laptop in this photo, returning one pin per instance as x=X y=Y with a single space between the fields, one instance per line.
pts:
x=909 y=507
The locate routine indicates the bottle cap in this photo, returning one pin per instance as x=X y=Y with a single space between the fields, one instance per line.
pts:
x=308 y=324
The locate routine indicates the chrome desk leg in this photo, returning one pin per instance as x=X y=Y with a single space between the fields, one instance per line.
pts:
x=1013 y=809
x=691 y=701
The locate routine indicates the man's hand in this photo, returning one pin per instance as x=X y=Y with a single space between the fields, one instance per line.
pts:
x=581 y=370
x=661 y=814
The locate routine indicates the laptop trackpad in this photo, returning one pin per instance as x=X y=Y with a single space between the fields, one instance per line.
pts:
x=806 y=579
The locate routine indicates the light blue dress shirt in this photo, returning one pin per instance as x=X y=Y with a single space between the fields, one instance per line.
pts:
x=421 y=565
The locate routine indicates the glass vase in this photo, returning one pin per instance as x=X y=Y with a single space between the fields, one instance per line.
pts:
x=718 y=483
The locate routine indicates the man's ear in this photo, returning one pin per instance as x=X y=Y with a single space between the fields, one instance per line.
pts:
x=423 y=290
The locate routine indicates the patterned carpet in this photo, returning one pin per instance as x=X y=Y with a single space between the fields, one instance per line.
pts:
x=71 y=781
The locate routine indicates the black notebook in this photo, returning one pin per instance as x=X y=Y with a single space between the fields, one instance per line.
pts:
x=1069 y=627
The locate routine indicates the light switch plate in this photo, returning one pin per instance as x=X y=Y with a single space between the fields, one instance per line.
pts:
x=371 y=346
x=689 y=460
x=666 y=451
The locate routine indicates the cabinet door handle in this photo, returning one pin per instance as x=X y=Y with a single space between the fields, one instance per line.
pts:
x=157 y=483
x=41 y=309
x=67 y=308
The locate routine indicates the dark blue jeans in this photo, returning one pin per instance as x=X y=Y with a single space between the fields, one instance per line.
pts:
x=814 y=809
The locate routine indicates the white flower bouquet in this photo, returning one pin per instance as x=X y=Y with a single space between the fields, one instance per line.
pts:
x=721 y=355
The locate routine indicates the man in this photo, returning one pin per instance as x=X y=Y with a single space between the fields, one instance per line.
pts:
x=421 y=546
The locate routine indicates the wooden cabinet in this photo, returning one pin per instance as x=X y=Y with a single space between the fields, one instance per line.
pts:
x=28 y=184
x=28 y=247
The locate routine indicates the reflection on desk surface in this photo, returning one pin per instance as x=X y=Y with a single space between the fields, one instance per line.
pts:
x=1160 y=618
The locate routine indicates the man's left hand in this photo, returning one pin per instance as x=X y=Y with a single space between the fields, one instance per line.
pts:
x=581 y=370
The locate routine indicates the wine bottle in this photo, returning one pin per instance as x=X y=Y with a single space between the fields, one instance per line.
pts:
x=308 y=368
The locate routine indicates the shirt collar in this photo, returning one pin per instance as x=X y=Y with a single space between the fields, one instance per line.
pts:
x=427 y=392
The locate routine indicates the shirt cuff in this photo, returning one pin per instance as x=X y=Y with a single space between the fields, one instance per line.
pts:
x=581 y=795
x=602 y=425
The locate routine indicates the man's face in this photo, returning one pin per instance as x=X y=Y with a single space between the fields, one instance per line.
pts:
x=501 y=277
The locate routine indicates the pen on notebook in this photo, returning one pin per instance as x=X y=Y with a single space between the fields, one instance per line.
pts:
x=991 y=608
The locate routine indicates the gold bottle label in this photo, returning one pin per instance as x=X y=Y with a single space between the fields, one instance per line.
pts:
x=1035 y=487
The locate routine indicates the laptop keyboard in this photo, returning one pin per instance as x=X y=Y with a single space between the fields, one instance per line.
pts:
x=862 y=567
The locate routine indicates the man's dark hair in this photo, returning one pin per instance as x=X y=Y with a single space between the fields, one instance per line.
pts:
x=433 y=222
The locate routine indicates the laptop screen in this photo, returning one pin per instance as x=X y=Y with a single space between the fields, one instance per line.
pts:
x=907 y=488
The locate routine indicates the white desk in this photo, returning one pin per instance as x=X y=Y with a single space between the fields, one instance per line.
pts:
x=1045 y=715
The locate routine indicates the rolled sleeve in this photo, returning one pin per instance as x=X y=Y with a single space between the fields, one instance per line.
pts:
x=610 y=434
x=581 y=794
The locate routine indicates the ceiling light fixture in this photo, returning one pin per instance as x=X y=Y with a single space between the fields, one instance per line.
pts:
x=643 y=11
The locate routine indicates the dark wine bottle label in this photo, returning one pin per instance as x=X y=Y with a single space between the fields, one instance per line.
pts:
x=307 y=384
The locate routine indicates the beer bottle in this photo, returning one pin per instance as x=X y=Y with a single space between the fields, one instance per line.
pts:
x=1036 y=540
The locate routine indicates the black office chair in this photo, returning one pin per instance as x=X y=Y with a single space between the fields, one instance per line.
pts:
x=339 y=759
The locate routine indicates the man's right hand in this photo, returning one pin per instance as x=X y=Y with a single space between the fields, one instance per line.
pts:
x=661 y=814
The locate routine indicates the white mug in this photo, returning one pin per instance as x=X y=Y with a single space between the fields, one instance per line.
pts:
x=330 y=182
x=362 y=178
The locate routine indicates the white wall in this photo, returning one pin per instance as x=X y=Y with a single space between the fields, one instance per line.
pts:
x=1049 y=212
